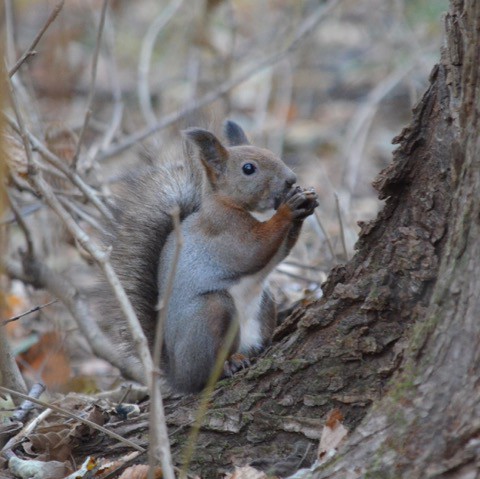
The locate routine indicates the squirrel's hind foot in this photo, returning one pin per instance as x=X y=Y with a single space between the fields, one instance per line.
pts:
x=235 y=363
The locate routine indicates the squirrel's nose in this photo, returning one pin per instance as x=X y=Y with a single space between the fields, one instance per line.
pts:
x=291 y=180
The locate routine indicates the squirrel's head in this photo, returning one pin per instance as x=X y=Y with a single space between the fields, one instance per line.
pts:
x=252 y=177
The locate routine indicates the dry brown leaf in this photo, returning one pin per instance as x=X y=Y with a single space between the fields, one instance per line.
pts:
x=50 y=443
x=48 y=357
x=332 y=435
x=140 y=471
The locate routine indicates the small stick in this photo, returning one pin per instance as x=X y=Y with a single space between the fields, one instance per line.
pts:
x=22 y=223
x=75 y=416
x=30 y=311
x=72 y=206
x=307 y=26
x=54 y=160
x=25 y=431
x=158 y=430
x=22 y=130
x=138 y=335
x=187 y=452
x=91 y=93
x=30 y=50
x=342 y=229
x=301 y=265
x=143 y=88
x=294 y=275
x=326 y=235
x=36 y=391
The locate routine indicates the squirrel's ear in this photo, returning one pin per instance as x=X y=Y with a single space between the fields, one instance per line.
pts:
x=235 y=134
x=213 y=154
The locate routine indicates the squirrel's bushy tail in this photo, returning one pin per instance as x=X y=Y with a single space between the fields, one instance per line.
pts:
x=143 y=222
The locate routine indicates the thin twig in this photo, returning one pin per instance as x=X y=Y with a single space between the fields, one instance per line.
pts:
x=307 y=26
x=54 y=160
x=294 y=275
x=282 y=102
x=21 y=223
x=80 y=213
x=21 y=412
x=138 y=335
x=296 y=264
x=143 y=88
x=40 y=275
x=64 y=412
x=217 y=370
x=28 y=210
x=359 y=127
x=22 y=130
x=30 y=50
x=108 y=131
x=342 y=229
x=9 y=31
x=26 y=430
x=92 y=331
x=326 y=235
x=30 y=311
x=93 y=79
x=158 y=434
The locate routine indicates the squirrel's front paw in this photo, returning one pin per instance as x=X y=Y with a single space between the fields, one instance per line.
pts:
x=302 y=202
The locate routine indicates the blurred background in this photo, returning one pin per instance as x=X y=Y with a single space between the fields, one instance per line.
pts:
x=326 y=85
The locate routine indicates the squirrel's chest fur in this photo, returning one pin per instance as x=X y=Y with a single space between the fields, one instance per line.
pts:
x=247 y=295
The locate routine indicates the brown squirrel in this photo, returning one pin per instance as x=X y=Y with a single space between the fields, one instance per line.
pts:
x=226 y=254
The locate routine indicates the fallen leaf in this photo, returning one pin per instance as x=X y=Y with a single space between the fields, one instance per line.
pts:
x=140 y=471
x=48 y=357
x=332 y=435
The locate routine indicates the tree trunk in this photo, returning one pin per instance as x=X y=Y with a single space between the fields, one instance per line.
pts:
x=408 y=303
x=428 y=425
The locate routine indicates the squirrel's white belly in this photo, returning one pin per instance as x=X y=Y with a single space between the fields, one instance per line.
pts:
x=247 y=296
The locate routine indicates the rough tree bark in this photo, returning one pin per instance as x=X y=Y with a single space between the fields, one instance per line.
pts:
x=407 y=303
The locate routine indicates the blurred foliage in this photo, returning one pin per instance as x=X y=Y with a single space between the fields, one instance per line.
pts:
x=426 y=13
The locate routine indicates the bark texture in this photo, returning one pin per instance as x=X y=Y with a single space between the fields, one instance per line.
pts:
x=407 y=303
x=428 y=425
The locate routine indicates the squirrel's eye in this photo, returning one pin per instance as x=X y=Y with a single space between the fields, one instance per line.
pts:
x=249 y=168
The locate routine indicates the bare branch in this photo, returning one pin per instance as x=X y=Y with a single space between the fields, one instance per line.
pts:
x=326 y=235
x=91 y=93
x=27 y=429
x=305 y=28
x=21 y=222
x=30 y=311
x=342 y=229
x=54 y=160
x=158 y=431
x=148 y=43
x=9 y=373
x=39 y=275
x=30 y=50
x=64 y=412
x=138 y=335
x=359 y=127
x=35 y=391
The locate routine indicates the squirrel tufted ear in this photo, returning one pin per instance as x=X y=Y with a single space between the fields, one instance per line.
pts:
x=212 y=153
x=235 y=134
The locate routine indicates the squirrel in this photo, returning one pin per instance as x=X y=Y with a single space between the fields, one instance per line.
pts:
x=226 y=256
